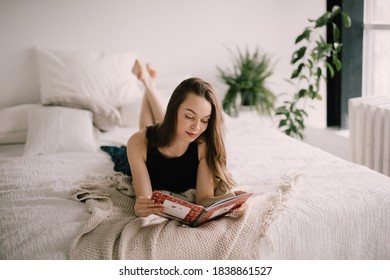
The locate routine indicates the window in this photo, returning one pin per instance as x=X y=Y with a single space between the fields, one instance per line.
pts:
x=376 y=48
x=365 y=57
x=348 y=83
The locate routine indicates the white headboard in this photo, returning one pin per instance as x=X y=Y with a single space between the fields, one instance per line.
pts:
x=177 y=36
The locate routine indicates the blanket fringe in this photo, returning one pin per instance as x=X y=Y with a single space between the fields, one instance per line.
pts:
x=292 y=179
x=95 y=186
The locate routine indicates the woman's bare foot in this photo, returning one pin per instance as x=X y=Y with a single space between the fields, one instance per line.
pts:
x=138 y=71
x=151 y=70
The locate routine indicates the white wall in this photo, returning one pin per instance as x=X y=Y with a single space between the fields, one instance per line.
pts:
x=177 y=36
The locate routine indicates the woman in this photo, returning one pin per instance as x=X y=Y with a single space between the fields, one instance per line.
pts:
x=186 y=150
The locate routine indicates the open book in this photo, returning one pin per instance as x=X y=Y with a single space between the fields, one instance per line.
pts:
x=192 y=214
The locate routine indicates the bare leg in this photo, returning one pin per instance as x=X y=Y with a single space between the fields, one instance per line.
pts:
x=152 y=109
x=146 y=116
x=154 y=100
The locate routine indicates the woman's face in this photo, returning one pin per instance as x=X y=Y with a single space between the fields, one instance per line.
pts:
x=193 y=117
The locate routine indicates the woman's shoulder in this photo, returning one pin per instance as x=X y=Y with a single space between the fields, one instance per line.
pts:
x=138 y=140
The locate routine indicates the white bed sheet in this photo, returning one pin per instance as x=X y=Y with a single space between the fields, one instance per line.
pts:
x=38 y=220
x=340 y=211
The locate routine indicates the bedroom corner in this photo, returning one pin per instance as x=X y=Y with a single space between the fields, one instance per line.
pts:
x=72 y=95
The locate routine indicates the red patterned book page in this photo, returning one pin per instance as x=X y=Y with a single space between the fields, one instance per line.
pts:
x=177 y=208
x=223 y=208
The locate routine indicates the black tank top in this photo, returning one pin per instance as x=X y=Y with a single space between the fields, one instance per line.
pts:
x=173 y=174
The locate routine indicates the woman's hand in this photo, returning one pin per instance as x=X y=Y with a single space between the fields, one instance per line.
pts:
x=145 y=206
x=242 y=207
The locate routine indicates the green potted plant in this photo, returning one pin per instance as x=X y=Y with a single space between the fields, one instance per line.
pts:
x=247 y=83
x=310 y=62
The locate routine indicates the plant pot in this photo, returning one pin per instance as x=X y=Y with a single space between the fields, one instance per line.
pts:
x=246 y=98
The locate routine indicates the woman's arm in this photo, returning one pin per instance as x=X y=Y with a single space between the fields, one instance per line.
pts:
x=136 y=153
x=205 y=181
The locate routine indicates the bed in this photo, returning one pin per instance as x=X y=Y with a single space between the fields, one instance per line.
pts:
x=310 y=204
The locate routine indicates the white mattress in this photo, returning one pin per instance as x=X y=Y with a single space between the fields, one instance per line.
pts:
x=340 y=211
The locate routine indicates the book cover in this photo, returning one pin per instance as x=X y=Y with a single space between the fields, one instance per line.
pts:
x=192 y=214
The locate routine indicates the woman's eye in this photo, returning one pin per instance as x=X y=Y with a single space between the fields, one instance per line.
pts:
x=205 y=121
x=189 y=117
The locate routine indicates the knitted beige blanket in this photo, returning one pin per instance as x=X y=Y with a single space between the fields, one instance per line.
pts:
x=114 y=232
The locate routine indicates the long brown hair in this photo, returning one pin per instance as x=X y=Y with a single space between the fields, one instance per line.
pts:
x=212 y=136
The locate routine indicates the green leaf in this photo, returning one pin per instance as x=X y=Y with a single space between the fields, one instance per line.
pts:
x=337 y=63
x=336 y=32
x=297 y=71
x=305 y=35
x=301 y=124
x=347 y=20
x=310 y=63
x=282 y=123
x=330 y=69
x=302 y=93
x=280 y=112
x=323 y=20
x=294 y=128
x=294 y=74
x=298 y=114
x=298 y=55
x=319 y=72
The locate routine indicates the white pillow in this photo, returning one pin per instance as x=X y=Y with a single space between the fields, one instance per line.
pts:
x=54 y=129
x=102 y=76
x=13 y=123
x=105 y=116
x=130 y=113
